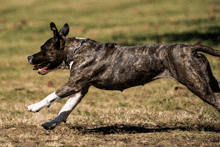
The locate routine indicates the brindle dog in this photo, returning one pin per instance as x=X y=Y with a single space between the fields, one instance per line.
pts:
x=113 y=67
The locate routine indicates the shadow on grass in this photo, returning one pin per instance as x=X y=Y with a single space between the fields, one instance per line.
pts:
x=209 y=36
x=133 y=129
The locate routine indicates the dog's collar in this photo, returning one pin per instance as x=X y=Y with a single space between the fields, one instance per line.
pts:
x=81 y=43
x=74 y=51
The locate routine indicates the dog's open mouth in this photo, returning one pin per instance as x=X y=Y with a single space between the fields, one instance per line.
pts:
x=42 y=68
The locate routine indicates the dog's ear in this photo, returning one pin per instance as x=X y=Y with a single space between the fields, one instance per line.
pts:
x=54 y=29
x=64 y=30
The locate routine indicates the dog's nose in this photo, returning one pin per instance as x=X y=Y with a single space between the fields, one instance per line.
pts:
x=29 y=57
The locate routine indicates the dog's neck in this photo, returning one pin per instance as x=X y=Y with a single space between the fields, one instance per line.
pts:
x=71 y=51
x=71 y=47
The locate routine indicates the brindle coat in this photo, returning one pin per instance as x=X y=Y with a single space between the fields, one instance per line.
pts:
x=114 y=67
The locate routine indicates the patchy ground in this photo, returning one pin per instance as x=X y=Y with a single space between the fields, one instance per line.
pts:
x=113 y=135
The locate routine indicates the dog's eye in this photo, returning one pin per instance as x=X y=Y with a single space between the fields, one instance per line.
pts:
x=43 y=49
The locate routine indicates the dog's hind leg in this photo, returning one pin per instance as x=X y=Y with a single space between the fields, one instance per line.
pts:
x=215 y=85
x=207 y=73
x=197 y=83
x=206 y=94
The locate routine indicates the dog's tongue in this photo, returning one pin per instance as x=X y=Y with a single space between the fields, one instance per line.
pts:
x=43 y=70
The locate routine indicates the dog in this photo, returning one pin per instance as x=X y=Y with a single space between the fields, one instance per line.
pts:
x=111 y=66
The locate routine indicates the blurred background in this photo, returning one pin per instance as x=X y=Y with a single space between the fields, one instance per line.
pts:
x=24 y=25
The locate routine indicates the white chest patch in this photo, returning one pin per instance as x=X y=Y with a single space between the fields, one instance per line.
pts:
x=70 y=65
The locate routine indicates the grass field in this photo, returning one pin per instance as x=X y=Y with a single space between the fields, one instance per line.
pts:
x=161 y=113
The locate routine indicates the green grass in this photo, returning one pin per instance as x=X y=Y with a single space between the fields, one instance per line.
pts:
x=151 y=115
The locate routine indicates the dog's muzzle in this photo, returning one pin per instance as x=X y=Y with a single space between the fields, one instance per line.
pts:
x=43 y=68
x=30 y=59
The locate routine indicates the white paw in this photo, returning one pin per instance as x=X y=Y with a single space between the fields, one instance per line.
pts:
x=34 y=107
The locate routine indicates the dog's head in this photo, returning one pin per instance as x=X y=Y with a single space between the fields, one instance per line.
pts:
x=51 y=54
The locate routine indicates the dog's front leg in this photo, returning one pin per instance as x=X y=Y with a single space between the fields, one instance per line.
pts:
x=76 y=93
x=45 y=102
x=65 y=111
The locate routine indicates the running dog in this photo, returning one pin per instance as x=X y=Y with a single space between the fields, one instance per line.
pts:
x=111 y=66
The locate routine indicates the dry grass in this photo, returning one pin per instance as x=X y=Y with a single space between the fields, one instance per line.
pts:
x=152 y=115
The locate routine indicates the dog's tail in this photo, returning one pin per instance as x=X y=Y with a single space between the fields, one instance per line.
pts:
x=205 y=49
